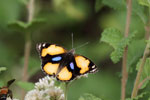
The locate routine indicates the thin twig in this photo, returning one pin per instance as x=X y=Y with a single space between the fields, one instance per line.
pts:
x=124 y=62
x=145 y=55
x=26 y=59
x=30 y=8
x=66 y=90
x=141 y=83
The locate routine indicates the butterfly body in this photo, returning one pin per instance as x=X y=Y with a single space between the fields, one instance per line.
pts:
x=63 y=65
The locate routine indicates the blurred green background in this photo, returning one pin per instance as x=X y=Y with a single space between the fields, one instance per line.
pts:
x=86 y=19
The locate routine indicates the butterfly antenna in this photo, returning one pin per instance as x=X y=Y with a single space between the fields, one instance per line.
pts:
x=82 y=45
x=72 y=39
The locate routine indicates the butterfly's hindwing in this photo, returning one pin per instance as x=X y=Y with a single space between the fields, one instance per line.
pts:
x=64 y=74
x=70 y=71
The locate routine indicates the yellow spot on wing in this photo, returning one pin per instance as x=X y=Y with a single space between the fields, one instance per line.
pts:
x=64 y=74
x=52 y=50
x=50 y=68
x=82 y=63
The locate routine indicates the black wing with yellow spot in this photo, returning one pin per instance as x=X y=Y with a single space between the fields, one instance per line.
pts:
x=70 y=71
x=77 y=65
x=85 y=65
x=63 y=65
x=51 y=56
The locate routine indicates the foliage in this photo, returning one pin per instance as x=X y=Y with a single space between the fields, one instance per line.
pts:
x=145 y=73
x=89 y=97
x=115 y=38
x=2 y=69
x=142 y=96
x=26 y=27
x=116 y=4
x=144 y=2
x=136 y=47
x=26 y=85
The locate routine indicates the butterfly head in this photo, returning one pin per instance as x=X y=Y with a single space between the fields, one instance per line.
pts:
x=72 y=51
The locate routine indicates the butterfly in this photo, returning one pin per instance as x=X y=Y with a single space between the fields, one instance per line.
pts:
x=62 y=64
x=5 y=92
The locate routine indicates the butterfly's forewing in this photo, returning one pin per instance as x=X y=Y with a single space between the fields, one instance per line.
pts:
x=77 y=66
x=85 y=65
x=51 y=56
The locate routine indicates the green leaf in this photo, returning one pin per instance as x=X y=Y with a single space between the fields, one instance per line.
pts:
x=142 y=96
x=35 y=24
x=121 y=5
x=144 y=2
x=26 y=85
x=135 y=52
x=118 y=53
x=115 y=4
x=26 y=27
x=140 y=11
x=146 y=71
x=98 y=5
x=89 y=97
x=115 y=38
x=2 y=69
x=112 y=36
x=18 y=26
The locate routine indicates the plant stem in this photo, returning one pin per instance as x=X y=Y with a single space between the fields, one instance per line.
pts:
x=30 y=8
x=66 y=90
x=124 y=62
x=26 y=59
x=146 y=53
x=141 y=83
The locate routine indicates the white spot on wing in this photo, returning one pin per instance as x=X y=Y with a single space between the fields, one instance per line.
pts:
x=44 y=44
x=39 y=47
x=93 y=66
x=94 y=70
